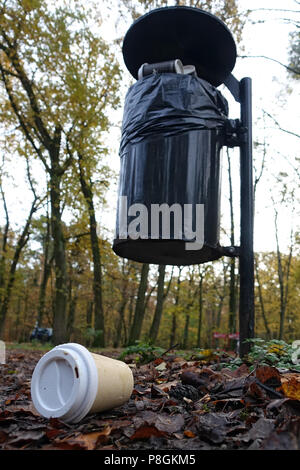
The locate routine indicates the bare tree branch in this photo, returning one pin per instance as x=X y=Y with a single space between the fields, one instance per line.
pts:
x=290 y=69
x=24 y=126
x=14 y=59
x=278 y=125
x=273 y=9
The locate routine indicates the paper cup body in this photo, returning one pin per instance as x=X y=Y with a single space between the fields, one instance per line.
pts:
x=115 y=383
x=69 y=382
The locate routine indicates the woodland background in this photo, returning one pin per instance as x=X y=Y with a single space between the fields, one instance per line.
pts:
x=62 y=86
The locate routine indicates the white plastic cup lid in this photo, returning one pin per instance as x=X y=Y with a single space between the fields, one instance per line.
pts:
x=64 y=383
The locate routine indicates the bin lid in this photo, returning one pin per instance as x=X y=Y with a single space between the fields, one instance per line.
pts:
x=194 y=36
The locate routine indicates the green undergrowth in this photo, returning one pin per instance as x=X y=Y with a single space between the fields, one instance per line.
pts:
x=275 y=353
x=270 y=353
x=142 y=352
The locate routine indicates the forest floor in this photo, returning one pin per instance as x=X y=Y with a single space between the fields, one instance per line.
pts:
x=176 y=404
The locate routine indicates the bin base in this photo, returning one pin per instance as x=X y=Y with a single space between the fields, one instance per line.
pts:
x=168 y=252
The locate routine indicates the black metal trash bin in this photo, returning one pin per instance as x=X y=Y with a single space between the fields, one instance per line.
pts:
x=172 y=135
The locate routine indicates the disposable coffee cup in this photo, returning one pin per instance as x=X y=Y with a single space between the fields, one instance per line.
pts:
x=70 y=382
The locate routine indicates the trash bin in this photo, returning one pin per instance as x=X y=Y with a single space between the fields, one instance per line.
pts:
x=170 y=152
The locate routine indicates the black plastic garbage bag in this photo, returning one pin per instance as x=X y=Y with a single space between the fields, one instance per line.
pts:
x=171 y=104
x=172 y=134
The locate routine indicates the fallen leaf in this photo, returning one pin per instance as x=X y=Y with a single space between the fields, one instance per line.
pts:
x=165 y=386
x=194 y=379
x=117 y=424
x=53 y=433
x=3 y=436
x=291 y=388
x=145 y=432
x=178 y=359
x=280 y=441
x=140 y=390
x=56 y=423
x=240 y=371
x=268 y=376
x=212 y=427
x=157 y=391
x=255 y=391
x=21 y=437
x=188 y=433
x=169 y=424
x=229 y=403
x=261 y=429
x=88 y=441
x=158 y=361
x=287 y=376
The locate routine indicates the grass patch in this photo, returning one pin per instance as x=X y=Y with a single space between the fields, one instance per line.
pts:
x=33 y=346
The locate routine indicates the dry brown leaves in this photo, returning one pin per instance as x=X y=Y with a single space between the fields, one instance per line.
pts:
x=176 y=404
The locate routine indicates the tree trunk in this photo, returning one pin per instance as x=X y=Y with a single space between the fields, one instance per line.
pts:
x=198 y=345
x=219 y=312
x=186 y=331
x=89 y=314
x=174 y=314
x=209 y=316
x=283 y=278
x=136 y=327
x=18 y=322
x=159 y=304
x=72 y=312
x=97 y=280
x=46 y=275
x=4 y=246
x=23 y=239
x=59 y=254
x=120 y=322
x=97 y=284
x=130 y=312
x=188 y=306
x=173 y=330
x=24 y=335
x=261 y=301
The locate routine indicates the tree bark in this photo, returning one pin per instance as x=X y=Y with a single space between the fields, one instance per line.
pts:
x=200 y=318
x=73 y=297
x=189 y=304
x=186 y=331
x=89 y=314
x=120 y=322
x=174 y=314
x=4 y=245
x=136 y=327
x=23 y=239
x=59 y=252
x=86 y=188
x=46 y=274
x=159 y=304
x=261 y=301
x=283 y=278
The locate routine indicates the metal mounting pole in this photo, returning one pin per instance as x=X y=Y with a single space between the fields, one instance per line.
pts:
x=246 y=311
x=242 y=93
